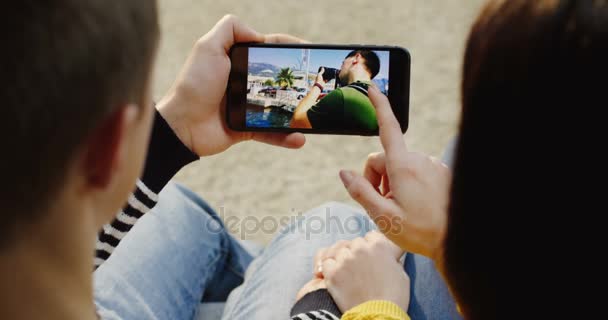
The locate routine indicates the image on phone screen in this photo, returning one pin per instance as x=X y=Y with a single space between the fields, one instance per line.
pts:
x=314 y=88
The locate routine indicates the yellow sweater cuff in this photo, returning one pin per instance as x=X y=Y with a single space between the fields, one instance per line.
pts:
x=376 y=309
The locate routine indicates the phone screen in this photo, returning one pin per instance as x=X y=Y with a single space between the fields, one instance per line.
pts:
x=314 y=89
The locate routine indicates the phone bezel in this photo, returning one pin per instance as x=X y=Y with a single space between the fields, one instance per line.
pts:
x=236 y=93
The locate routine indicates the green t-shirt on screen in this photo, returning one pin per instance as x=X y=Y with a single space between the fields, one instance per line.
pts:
x=345 y=108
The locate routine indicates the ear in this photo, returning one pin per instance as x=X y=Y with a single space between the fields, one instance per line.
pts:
x=357 y=58
x=103 y=153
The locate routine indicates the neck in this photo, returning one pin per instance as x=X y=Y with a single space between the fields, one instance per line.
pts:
x=358 y=75
x=46 y=273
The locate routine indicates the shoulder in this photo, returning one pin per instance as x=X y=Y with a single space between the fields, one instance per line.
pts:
x=332 y=98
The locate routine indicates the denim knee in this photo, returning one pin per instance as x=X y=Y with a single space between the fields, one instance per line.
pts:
x=332 y=219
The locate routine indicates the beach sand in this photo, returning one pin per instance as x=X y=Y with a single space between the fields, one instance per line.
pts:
x=257 y=181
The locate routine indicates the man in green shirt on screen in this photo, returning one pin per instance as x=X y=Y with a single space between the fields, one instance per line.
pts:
x=347 y=107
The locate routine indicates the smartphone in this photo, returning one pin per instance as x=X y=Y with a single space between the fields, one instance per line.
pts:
x=315 y=88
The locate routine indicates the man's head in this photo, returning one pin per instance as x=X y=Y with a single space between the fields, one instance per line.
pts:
x=76 y=105
x=359 y=64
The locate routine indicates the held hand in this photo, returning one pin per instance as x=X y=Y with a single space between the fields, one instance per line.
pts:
x=312 y=285
x=374 y=262
x=319 y=78
x=406 y=193
x=195 y=106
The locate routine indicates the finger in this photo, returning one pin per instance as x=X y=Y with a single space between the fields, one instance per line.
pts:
x=333 y=250
x=386 y=186
x=362 y=191
x=391 y=136
x=328 y=253
x=357 y=243
x=317 y=264
x=290 y=141
x=282 y=38
x=330 y=267
x=343 y=254
x=230 y=30
x=375 y=168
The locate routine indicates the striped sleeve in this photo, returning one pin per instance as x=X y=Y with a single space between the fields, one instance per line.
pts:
x=315 y=305
x=315 y=315
x=166 y=156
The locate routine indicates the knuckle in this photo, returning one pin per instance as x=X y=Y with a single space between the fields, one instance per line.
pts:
x=230 y=17
x=374 y=156
x=320 y=254
x=356 y=188
x=341 y=243
x=372 y=236
x=357 y=245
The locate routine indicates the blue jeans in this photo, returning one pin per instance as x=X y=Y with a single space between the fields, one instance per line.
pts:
x=180 y=254
x=175 y=255
x=274 y=278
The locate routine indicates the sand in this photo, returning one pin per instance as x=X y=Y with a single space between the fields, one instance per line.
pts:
x=258 y=181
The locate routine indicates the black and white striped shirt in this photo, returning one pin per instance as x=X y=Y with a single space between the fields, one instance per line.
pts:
x=166 y=155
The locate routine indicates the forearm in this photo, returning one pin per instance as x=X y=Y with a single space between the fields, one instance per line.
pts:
x=300 y=117
x=321 y=305
x=318 y=303
x=166 y=156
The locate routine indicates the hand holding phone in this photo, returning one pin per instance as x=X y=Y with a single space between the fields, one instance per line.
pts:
x=195 y=106
x=321 y=76
x=328 y=74
x=314 y=88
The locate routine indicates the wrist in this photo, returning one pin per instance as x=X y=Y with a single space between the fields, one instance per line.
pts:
x=319 y=85
x=169 y=109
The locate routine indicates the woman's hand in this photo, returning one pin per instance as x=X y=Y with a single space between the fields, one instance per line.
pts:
x=364 y=269
x=405 y=193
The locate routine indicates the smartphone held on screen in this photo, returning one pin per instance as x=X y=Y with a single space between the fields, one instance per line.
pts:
x=315 y=88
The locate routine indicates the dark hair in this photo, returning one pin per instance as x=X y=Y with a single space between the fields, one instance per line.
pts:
x=372 y=62
x=531 y=69
x=66 y=64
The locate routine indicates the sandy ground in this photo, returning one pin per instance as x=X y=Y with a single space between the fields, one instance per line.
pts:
x=254 y=180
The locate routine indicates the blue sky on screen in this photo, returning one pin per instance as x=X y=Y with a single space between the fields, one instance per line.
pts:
x=288 y=57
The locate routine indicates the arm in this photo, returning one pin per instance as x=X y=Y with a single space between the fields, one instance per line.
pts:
x=300 y=116
x=189 y=124
x=381 y=291
x=408 y=188
x=320 y=304
x=166 y=156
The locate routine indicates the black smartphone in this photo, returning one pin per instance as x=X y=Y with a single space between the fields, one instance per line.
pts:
x=315 y=88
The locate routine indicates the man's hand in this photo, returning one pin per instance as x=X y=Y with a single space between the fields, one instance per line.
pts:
x=195 y=106
x=300 y=116
x=319 y=78
x=406 y=193
x=365 y=269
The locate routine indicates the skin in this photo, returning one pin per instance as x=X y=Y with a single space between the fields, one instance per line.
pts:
x=373 y=260
x=352 y=69
x=102 y=173
x=408 y=190
x=409 y=193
